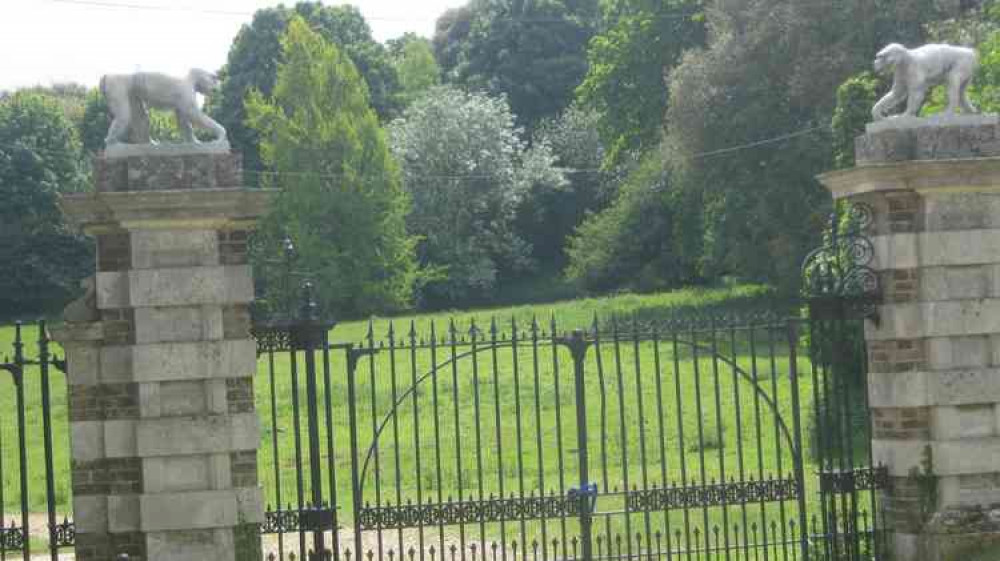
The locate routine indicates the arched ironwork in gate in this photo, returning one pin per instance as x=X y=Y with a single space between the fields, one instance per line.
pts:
x=664 y=440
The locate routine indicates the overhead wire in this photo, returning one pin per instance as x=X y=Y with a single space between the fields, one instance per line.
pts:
x=472 y=176
x=763 y=142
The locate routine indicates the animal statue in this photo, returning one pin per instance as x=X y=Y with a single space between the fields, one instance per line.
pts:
x=130 y=96
x=917 y=71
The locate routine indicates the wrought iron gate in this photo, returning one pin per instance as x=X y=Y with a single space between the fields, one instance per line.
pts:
x=26 y=418
x=694 y=440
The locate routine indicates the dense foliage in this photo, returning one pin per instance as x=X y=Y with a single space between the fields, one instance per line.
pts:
x=413 y=59
x=551 y=215
x=746 y=130
x=531 y=51
x=855 y=98
x=342 y=200
x=256 y=54
x=628 y=63
x=629 y=244
x=43 y=259
x=468 y=171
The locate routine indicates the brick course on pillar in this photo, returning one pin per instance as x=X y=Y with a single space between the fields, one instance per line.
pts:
x=934 y=356
x=163 y=427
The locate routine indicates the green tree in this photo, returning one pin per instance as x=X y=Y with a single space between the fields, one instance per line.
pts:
x=548 y=215
x=631 y=243
x=532 y=51
x=43 y=258
x=628 y=61
x=342 y=200
x=468 y=171
x=757 y=80
x=855 y=99
x=413 y=59
x=451 y=30
x=70 y=96
x=95 y=122
x=256 y=53
x=985 y=88
x=745 y=132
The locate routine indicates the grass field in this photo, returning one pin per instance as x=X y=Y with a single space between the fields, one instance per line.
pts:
x=482 y=418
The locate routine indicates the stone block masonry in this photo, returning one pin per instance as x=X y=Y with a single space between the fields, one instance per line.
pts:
x=163 y=426
x=934 y=356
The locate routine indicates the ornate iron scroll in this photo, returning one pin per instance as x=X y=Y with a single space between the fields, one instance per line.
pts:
x=280 y=521
x=271 y=338
x=11 y=538
x=64 y=535
x=852 y=481
x=306 y=519
x=736 y=493
x=471 y=512
x=838 y=280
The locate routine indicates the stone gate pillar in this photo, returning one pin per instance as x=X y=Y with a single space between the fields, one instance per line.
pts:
x=934 y=354
x=161 y=362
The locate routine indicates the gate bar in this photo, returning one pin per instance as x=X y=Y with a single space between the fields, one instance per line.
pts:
x=793 y=376
x=20 y=361
x=50 y=485
x=578 y=346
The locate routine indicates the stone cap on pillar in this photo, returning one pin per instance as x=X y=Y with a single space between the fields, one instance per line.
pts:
x=921 y=176
x=189 y=209
x=938 y=137
x=166 y=167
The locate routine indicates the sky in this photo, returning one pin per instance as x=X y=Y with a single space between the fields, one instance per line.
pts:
x=51 y=41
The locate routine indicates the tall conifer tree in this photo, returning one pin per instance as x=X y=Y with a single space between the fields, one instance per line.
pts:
x=342 y=200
